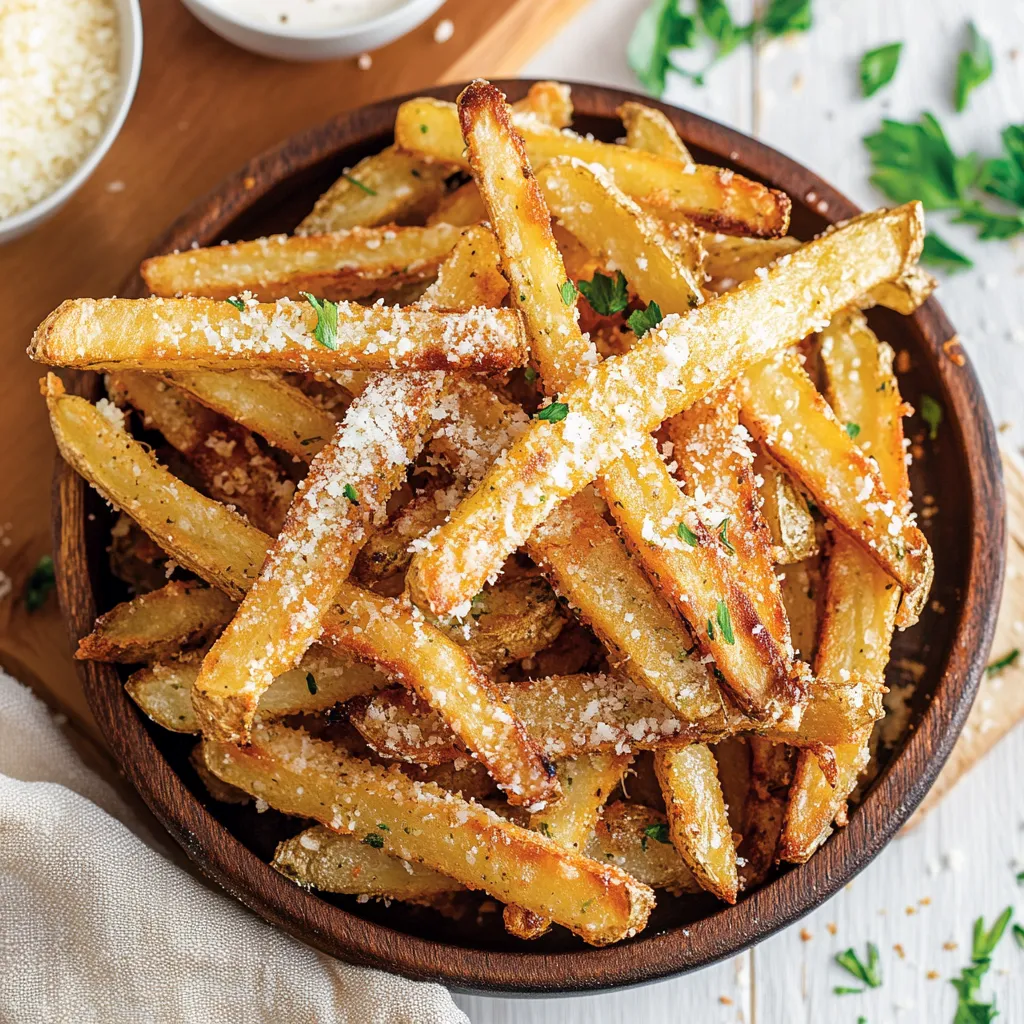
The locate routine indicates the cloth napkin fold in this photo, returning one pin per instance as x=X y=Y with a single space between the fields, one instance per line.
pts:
x=95 y=925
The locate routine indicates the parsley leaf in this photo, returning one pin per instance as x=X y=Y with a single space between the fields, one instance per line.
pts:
x=1018 y=936
x=326 y=330
x=358 y=184
x=914 y=161
x=852 y=430
x=997 y=666
x=877 y=67
x=724 y=620
x=658 y=831
x=606 y=294
x=938 y=253
x=686 y=534
x=544 y=829
x=970 y=1009
x=716 y=20
x=642 y=320
x=661 y=28
x=374 y=840
x=553 y=413
x=785 y=16
x=1005 y=177
x=310 y=682
x=866 y=973
x=989 y=223
x=973 y=67
x=39 y=584
x=723 y=536
x=568 y=292
x=931 y=413
x=237 y=303
x=350 y=492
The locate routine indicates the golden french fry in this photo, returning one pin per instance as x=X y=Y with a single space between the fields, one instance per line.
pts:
x=611 y=408
x=342 y=498
x=469 y=276
x=712 y=197
x=650 y=130
x=299 y=775
x=188 y=334
x=159 y=624
x=344 y=265
x=549 y=102
x=697 y=819
x=786 y=513
x=219 y=546
x=163 y=690
x=462 y=206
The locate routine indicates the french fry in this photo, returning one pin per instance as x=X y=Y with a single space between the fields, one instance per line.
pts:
x=343 y=497
x=299 y=775
x=650 y=130
x=389 y=186
x=801 y=592
x=188 y=334
x=348 y=264
x=219 y=546
x=387 y=552
x=218 y=790
x=612 y=406
x=225 y=455
x=785 y=511
x=159 y=624
x=772 y=774
x=469 y=276
x=785 y=412
x=549 y=102
x=163 y=690
x=586 y=201
x=861 y=603
x=462 y=207
x=697 y=820
x=264 y=404
x=587 y=782
x=713 y=198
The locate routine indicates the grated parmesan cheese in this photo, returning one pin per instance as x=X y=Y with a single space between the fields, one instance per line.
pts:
x=58 y=77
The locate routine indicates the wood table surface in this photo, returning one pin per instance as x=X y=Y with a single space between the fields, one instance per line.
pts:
x=204 y=107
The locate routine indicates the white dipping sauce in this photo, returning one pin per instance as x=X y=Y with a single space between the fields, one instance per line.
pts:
x=308 y=14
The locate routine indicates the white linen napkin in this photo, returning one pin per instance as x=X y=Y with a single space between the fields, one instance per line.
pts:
x=97 y=926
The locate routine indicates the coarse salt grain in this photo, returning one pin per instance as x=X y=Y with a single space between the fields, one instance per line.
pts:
x=444 y=31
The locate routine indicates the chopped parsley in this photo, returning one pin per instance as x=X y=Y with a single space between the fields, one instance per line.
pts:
x=989 y=223
x=661 y=28
x=608 y=295
x=530 y=374
x=544 y=829
x=686 y=534
x=723 y=536
x=866 y=973
x=326 y=330
x=311 y=682
x=585 y=905
x=938 y=253
x=424 y=129
x=568 y=292
x=973 y=67
x=358 y=184
x=970 y=1009
x=1006 y=661
x=642 y=320
x=1018 y=936
x=1005 y=177
x=237 y=303
x=350 y=492
x=553 y=413
x=39 y=584
x=711 y=630
x=383 y=827
x=1020 y=877
x=931 y=413
x=724 y=620
x=374 y=840
x=852 y=430
x=877 y=68
x=658 y=831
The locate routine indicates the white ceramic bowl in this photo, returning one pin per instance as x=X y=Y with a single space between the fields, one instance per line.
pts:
x=130 y=25
x=307 y=44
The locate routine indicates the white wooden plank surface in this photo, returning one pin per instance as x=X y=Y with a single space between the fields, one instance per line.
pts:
x=801 y=96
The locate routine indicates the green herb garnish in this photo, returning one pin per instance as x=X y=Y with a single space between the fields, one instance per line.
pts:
x=1018 y=936
x=931 y=413
x=661 y=28
x=658 y=831
x=643 y=320
x=326 y=330
x=852 y=430
x=544 y=829
x=970 y=1010
x=568 y=292
x=606 y=294
x=1005 y=177
x=39 y=584
x=358 y=184
x=877 y=67
x=711 y=630
x=785 y=16
x=553 y=413
x=374 y=840
x=938 y=253
x=383 y=827
x=1006 y=661
x=311 y=682
x=723 y=536
x=724 y=620
x=989 y=223
x=424 y=129
x=237 y=303
x=686 y=534
x=973 y=67
x=530 y=374
x=350 y=492
x=866 y=973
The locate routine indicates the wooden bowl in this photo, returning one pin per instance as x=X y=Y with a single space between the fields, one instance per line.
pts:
x=960 y=470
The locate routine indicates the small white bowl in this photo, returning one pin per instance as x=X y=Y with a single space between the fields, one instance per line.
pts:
x=308 y=44
x=129 y=19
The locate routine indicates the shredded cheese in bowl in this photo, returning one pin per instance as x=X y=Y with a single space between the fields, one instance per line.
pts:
x=58 y=82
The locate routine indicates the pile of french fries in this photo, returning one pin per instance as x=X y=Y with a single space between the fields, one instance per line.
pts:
x=499 y=604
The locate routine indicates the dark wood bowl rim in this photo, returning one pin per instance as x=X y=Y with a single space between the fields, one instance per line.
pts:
x=650 y=957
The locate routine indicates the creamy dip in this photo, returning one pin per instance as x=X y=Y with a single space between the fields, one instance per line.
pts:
x=308 y=14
